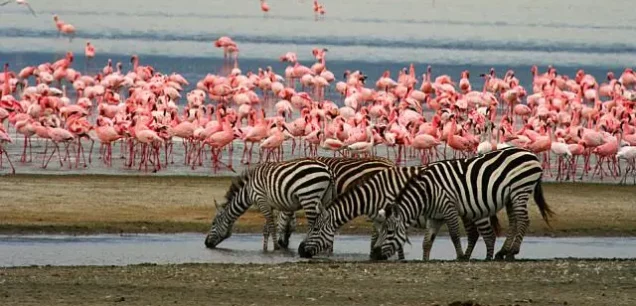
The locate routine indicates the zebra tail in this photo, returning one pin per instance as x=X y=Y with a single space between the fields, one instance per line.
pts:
x=496 y=226
x=545 y=210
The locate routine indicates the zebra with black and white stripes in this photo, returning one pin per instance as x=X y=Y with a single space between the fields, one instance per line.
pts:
x=347 y=171
x=475 y=189
x=366 y=198
x=282 y=186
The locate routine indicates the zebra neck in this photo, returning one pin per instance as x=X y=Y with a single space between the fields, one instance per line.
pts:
x=357 y=202
x=237 y=207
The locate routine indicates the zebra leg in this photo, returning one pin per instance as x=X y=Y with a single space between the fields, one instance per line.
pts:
x=270 y=226
x=286 y=226
x=473 y=236
x=510 y=235
x=452 y=222
x=374 y=239
x=485 y=229
x=431 y=231
x=522 y=222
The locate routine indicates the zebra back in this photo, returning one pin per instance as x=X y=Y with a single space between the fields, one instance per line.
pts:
x=349 y=171
x=368 y=197
x=281 y=181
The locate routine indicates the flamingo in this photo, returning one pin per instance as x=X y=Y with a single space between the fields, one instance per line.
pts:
x=5 y=138
x=264 y=7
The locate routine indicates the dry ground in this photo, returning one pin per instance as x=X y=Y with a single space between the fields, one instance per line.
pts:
x=94 y=204
x=559 y=282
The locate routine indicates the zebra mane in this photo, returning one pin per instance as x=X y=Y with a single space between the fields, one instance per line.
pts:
x=401 y=193
x=237 y=183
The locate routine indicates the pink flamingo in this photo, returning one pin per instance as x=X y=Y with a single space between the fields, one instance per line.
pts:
x=627 y=153
x=264 y=7
x=5 y=138
x=59 y=135
x=107 y=134
x=64 y=28
x=427 y=144
x=89 y=50
x=606 y=151
x=255 y=134
x=149 y=140
x=458 y=143
x=218 y=141
x=274 y=142
x=26 y=128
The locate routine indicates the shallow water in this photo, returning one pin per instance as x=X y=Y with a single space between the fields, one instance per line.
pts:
x=369 y=35
x=463 y=31
x=104 y=250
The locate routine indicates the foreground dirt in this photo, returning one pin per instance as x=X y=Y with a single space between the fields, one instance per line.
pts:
x=560 y=282
x=100 y=204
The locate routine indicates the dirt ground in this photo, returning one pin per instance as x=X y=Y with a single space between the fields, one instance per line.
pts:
x=98 y=204
x=560 y=282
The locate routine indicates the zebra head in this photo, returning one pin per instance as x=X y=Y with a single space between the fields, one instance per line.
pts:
x=221 y=227
x=319 y=237
x=391 y=234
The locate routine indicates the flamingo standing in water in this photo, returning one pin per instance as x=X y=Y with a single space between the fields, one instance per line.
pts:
x=264 y=7
x=319 y=9
x=89 y=51
x=274 y=142
x=64 y=28
x=59 y=135
x=4 y=138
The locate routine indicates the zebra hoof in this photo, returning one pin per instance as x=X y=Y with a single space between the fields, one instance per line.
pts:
x=376 y=254
x=510 y=257
x=463 y=258
x=283 y=244
x=500 y=255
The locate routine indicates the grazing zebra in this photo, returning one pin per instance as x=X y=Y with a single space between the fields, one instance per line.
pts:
x=473 y=188
x=366 y=198
x=283 y=186
x=346 y=171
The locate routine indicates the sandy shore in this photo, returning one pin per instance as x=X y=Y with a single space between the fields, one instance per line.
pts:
x=112 y=204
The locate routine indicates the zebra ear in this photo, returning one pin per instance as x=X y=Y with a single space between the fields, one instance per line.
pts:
x=381 y=215
x=388 y=210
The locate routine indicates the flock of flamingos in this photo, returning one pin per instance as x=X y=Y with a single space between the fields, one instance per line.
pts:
x=580 y=127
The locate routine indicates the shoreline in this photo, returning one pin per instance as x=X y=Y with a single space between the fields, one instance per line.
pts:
x=100 y=204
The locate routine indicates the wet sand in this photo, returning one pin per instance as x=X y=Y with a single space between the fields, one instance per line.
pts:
x=89 y=204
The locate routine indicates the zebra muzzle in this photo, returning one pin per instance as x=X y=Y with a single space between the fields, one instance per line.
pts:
x=302 y=251
x=209 y=243
x=376 y=254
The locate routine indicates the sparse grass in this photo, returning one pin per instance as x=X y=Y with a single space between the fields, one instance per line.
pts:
x=555 y=282
x=113 y=204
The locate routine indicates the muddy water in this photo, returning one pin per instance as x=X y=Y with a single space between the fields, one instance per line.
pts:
x=102 y=250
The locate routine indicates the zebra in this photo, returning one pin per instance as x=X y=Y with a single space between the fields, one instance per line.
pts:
x=283 y=186
x=473 y=188
x=347 y=171
x=366 y=198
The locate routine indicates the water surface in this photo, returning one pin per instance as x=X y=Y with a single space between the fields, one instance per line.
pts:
x=105 y=250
